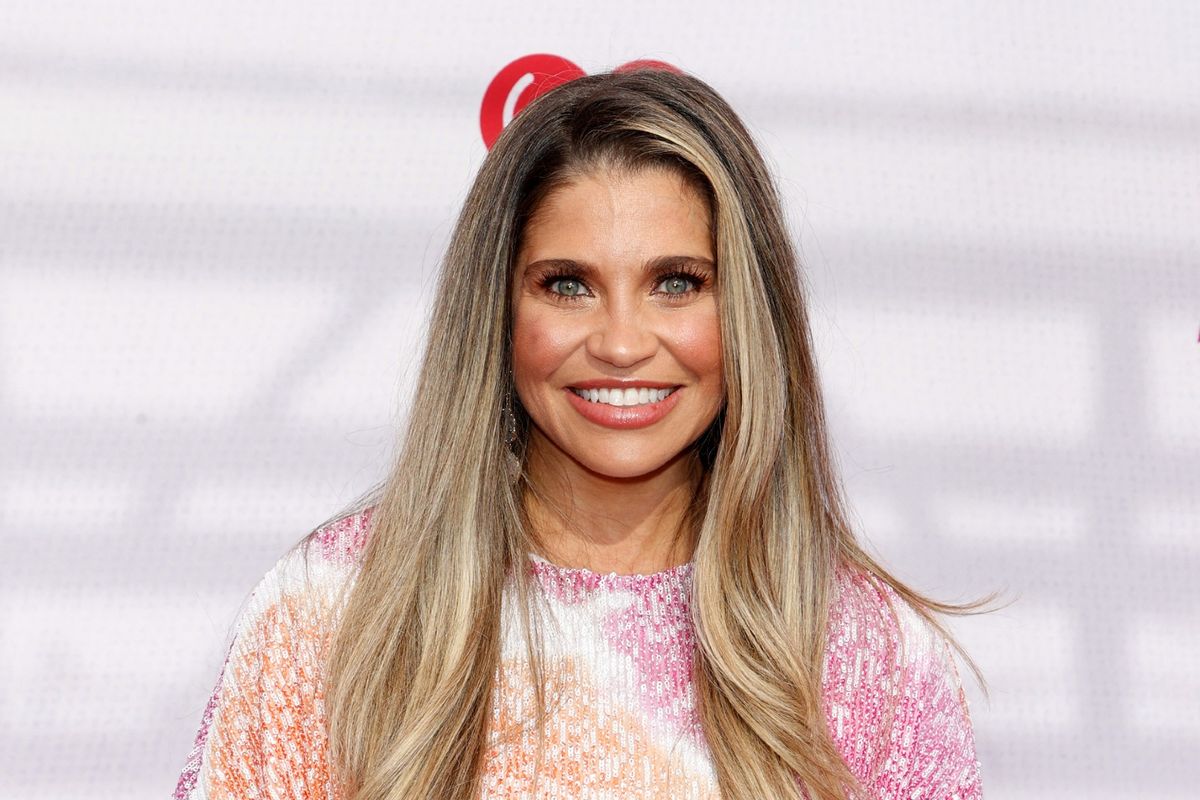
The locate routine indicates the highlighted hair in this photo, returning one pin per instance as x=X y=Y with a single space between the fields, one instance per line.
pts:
x=412 y=669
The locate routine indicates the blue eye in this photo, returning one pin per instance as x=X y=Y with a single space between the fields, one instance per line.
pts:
x=570 y=287
x=677 y=284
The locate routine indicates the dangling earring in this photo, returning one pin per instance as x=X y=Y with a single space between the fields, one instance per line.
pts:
x=511 y=462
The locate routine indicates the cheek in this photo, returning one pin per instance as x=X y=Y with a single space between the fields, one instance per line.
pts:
x=697 y=344
x=541 y=344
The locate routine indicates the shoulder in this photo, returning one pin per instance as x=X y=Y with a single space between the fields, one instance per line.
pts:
x=342 y=541
x=867 y=615
x=879 y=644
x=862 y=653
x=295 y=601
x=317 y=568
x=893 y=697
x=263 y=728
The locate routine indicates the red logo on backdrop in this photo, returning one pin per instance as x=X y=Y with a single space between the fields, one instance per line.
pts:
x=548 y=71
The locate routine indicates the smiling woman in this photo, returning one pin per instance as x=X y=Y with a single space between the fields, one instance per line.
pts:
x=617 y=360
x=612 y=558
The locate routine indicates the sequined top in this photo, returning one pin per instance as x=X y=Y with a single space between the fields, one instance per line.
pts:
x=618 y=674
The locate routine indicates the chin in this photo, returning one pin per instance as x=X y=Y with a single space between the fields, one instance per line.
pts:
x=621 y=467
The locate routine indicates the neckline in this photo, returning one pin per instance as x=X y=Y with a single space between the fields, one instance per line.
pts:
x=543 y=567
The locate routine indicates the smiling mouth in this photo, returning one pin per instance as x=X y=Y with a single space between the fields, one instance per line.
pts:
x=625 y=397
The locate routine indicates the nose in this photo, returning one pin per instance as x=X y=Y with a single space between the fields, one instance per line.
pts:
x=622 y=337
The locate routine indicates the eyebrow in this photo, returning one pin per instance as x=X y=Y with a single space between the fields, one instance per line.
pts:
x=654 y=265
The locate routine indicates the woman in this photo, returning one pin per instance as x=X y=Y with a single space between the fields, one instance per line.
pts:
x=612 y=557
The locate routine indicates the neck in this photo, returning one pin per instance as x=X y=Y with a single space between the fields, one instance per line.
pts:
x=580 y=518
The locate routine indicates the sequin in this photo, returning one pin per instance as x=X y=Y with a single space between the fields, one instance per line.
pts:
x=623 y=719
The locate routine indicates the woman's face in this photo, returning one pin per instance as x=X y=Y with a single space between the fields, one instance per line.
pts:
x=614 y=297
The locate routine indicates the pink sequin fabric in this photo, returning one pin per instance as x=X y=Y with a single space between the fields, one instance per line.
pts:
x=618 y=657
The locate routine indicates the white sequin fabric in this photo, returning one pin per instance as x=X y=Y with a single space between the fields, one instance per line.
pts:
x=622 y=721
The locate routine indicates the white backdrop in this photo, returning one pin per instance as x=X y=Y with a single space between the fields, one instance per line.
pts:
x=219 y=223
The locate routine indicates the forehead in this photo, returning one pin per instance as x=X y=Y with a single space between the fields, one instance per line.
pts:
x=620 y=214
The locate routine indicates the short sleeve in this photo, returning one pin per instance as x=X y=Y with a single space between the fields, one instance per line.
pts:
x=263 y=730
x=931 y=751
x=894 y=699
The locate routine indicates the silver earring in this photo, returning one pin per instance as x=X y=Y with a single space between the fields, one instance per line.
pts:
x=511 y=462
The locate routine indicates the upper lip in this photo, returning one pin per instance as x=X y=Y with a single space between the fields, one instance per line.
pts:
x=626 y=383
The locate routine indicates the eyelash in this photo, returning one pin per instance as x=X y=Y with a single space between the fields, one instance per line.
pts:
x=699 y=282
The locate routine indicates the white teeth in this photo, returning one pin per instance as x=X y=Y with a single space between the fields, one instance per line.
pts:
x=624 y=397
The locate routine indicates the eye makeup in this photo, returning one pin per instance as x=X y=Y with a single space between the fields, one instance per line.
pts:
x=544 y=274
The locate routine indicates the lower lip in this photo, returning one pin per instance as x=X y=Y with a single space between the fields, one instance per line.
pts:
x=623 y=417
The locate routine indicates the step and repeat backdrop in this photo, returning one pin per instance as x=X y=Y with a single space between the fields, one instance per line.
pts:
x=220 y=225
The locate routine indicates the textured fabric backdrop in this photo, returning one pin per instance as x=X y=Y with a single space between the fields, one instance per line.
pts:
x=219 y=225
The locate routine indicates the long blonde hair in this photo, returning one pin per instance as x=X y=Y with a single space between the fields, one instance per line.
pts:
x=410 y=677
